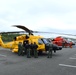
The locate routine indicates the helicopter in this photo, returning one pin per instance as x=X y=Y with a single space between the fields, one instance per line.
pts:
x=40 y=40
x=64 y=42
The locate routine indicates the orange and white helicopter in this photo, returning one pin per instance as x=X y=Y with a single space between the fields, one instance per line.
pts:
x=61 y=41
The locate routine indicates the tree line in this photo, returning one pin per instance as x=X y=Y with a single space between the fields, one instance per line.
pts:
x=9 y=37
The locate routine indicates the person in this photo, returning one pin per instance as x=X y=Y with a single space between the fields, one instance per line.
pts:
x=20 y=49
x=32 y=50
x=24 y=44
x=70 y=44
x=63 y=44
x=28 y=49
x=35 y=46
x=50 y=48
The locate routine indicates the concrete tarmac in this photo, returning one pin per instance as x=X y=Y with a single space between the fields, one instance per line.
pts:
x=63 y=62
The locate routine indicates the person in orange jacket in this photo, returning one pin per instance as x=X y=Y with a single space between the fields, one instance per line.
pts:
x=70 y=45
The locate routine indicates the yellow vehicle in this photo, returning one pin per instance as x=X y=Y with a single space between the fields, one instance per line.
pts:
x=13 y=45
x=40 y=41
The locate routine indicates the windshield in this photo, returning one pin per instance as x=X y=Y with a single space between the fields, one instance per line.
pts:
x=40 y=41
x=45 y=40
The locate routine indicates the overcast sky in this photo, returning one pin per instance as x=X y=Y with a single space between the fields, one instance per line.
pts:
x=41 y=15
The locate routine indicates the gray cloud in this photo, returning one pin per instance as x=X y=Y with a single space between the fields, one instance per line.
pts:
x=58 y=15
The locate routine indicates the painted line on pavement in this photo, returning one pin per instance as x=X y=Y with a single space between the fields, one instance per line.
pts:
x=5 y=50
x=3 y=55
x=67 y=65
x=72 y=58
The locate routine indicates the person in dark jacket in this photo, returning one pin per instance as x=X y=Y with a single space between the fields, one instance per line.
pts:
x=24 y=45
x=50 y=48
x=28 y=49
x=32 y=50
x=35 y=46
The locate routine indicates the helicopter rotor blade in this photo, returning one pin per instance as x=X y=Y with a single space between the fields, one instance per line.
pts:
x=24 y=28
x=31 y=31
x=61 y=33
x=54 y=33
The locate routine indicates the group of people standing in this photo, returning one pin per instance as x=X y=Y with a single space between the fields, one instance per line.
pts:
x=31 y=49
x=28 y=49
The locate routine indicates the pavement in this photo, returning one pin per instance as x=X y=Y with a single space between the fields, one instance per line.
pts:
x=63 y=62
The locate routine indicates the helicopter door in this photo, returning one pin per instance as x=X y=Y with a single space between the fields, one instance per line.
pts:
x=41 y=45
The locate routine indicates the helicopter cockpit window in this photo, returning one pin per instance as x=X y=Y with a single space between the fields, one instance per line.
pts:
x=45 y=40
x=40 y=41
